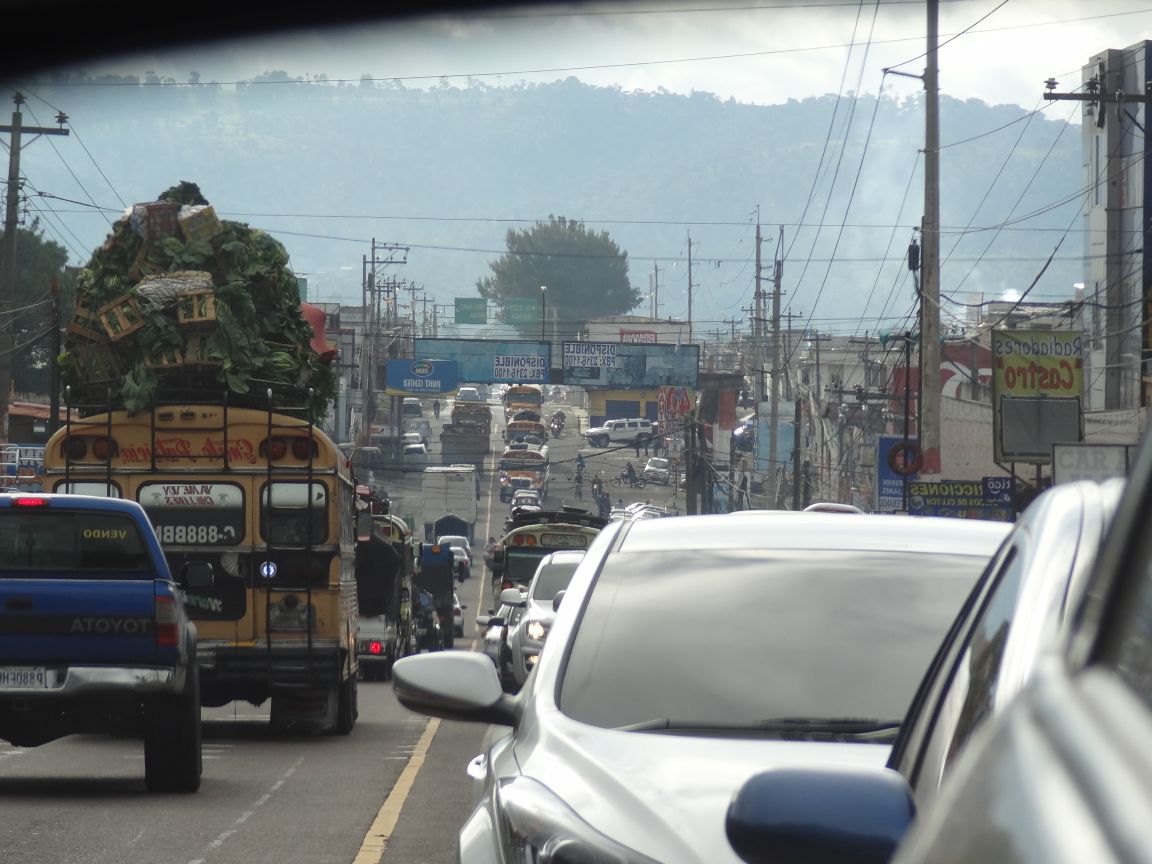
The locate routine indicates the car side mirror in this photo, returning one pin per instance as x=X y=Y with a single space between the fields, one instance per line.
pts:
x=198 y=574
x=483 y=620
x=558 y=598
x=496 y=621
x=819 y=813
x=511 y=597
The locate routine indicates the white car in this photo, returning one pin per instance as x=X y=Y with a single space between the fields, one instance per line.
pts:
x=618 y=432
x=458 y=616
x=468 y=394
x=630 y=737
x=525 y=642
x=414 y=457
x=456 y=541
x=656 y=470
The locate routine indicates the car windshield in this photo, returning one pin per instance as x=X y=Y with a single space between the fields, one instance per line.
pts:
x=823 y=634
x=552 y=578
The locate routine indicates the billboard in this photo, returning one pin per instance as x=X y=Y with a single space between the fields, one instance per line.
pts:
x=889 y=484
x=471 y=310
x=491 y=361
x=630 y=366
x=420 y=377
x=1097 y=462
x=986 y=498
x=1037 y=383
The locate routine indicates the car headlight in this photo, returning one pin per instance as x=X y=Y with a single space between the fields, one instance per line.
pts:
x=537 y=630
x=537 y=826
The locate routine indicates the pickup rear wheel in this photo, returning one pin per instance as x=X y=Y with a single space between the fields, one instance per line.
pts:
x=172 y=755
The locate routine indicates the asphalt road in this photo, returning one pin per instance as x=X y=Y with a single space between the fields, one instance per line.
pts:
x=393 y=791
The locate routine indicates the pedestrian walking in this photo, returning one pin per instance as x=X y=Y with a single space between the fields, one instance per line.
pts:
x=636 y=444
x=647 y=441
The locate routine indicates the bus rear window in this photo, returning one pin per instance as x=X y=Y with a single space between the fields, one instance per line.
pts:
x=70 y=543
x=298 y=515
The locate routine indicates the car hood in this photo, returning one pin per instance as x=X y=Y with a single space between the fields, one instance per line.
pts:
x=664 y=795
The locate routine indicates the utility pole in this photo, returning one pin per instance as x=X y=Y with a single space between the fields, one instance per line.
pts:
x=930 y=264
x=689 y=287
x=690 y=466
x=8 y=244
x=774 y=404
x=53 y=366
x=656 y=290
x=797 y=452
x=758 y=330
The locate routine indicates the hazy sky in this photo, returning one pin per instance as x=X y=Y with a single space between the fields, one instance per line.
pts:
x=762 y=51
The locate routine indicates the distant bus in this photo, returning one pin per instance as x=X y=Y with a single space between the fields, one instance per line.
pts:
x=533 y=535
x=520 y=396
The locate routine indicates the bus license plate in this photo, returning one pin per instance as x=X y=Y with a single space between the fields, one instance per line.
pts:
x=24 y=678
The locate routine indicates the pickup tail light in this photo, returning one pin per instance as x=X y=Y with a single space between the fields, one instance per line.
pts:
x=167 y=621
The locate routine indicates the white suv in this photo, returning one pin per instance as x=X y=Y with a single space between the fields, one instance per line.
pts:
x=618 y=432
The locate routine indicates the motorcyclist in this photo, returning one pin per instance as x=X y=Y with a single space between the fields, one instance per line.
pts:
x=629 y=472
x=436 y=407
x=580 y=462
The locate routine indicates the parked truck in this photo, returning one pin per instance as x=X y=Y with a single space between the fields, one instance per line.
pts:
x=476 y=413
x=94 y=636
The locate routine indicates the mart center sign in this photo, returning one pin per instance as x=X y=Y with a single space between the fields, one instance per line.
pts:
x=1037 y=363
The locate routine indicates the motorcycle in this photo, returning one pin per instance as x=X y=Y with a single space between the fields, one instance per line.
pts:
x=636 y=481
x=556 y=427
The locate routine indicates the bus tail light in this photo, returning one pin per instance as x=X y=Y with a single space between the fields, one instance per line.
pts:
x=304 y=449
x=104 y=448
x=75 y=447
x=167 y=621
x=274 y=448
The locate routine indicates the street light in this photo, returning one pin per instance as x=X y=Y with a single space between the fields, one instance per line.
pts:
x=543 y=308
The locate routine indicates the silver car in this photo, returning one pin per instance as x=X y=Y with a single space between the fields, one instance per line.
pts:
x=630 y=738
x=526 y=640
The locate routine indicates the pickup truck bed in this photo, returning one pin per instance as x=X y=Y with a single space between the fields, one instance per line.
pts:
x=93 y=633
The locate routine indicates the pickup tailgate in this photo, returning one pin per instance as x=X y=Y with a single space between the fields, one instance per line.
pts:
x=78 y=621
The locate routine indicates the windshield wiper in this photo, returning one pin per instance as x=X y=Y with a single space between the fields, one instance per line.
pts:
x=798 y=726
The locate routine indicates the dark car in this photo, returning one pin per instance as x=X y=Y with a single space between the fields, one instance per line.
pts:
x=1021 y=606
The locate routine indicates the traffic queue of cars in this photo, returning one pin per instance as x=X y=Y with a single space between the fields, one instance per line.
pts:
x=883 y=646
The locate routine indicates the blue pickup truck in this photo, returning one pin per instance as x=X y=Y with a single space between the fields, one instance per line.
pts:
x=93 y=633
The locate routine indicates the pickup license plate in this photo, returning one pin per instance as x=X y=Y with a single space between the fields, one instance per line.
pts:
x=24 y=678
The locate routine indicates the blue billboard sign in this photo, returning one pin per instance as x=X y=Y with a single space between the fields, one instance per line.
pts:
x=987 y=498
x=631 y=366
x=491 y=361
x=889 y=484
x=421 y=377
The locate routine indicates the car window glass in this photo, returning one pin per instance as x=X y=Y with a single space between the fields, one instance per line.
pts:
x=980 y=663
x=555 y=577
x=966 y=691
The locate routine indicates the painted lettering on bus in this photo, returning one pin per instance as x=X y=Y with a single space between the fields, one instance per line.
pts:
x=238 y=450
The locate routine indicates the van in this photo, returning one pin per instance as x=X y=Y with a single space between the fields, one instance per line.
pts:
x=468 y=394
x=411 y=407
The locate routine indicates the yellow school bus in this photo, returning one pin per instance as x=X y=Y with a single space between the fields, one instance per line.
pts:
x=268 y=500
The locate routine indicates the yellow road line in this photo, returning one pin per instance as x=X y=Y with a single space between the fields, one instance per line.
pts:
x=380 y=831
